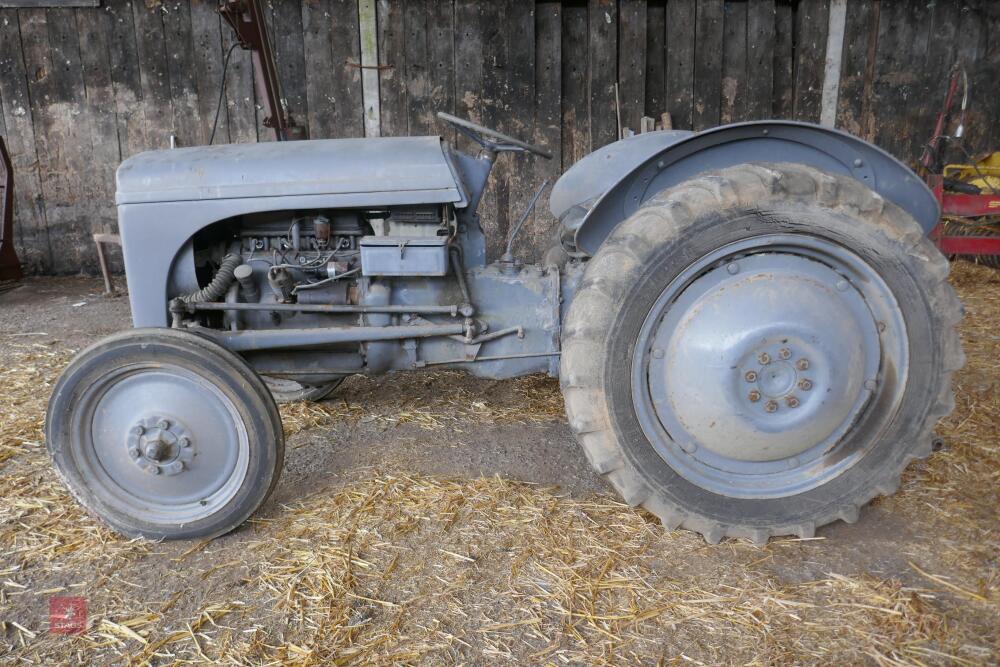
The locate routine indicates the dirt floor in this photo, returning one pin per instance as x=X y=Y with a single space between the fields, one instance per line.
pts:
x=436 y=519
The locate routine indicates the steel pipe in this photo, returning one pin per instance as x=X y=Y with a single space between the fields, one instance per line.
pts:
x=277 y=339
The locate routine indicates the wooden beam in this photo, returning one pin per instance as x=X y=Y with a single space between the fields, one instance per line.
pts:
x=831 y=73
x=368 y=26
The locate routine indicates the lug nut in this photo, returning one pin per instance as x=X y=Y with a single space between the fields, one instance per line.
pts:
x=805 y=385
x=138 y=430
x=792 y=402
x=754 y=395
x=163 y=424
x=802 y=364
x=751 y=376
x=771 y=406
x=785 y=353
x=764 y=358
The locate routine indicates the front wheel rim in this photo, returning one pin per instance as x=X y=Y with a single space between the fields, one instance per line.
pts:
x=755 y=372
x=160 y=443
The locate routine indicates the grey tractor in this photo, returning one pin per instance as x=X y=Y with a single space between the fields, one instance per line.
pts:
x=753 y=334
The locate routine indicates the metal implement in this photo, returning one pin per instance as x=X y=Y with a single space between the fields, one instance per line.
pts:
x=246 y=18
x=10 y=266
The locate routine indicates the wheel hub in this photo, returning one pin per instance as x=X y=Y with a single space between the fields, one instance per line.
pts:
x=160 y=446
x=755 y=363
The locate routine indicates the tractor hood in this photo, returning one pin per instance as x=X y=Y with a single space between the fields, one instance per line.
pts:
x=361 y=172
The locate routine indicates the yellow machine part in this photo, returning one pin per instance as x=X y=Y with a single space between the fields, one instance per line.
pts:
x=985 y=174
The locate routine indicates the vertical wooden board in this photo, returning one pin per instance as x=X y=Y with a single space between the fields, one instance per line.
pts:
x=656 y=57
x=860 y=33
x=29 y=194
x=368 y=42
x=548 y=118
x=74 y=192
x=418 y=79
x=903 y=33
x=518 y=107
x=207 y=56
x=978 y=49
x=125 y=76
x=985 y=77
x=348 y=107
x=153 y=73
x=811 y=22
x=783 y=97
x=468 y=65
x=680 y=18
x=575 y=100
x=707 y=65
x=240 y=97
x=760 y=59
x=99 y=96
x=603 y=74
x=181 y=71
x=495 y=209
x=286 y=36
x=939 y=57
x=441 y=56
x=392 y=60
x=735 y=59
x=632 y=27
x=317 y=45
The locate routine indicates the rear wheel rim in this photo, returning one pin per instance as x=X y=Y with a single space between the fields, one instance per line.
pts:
x=756 y=368
x=161 y=443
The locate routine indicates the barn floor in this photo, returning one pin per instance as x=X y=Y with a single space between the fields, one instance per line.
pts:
x=433 y=519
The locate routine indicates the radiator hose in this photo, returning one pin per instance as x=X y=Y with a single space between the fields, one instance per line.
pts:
x=221 y=281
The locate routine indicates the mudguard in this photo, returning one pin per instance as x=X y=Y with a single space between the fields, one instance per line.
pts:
x=608 y=185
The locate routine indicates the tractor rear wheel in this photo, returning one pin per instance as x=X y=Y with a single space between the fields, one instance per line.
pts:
x=760 y=351
x=164 y=434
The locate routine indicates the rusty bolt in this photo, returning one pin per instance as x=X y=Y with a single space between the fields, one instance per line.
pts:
x=784 y=353
x=764 y=358
x=802 y=364
x=754 y=395
x=792 y=402
x=751 y=376
x=805 y=385
x=771 y=406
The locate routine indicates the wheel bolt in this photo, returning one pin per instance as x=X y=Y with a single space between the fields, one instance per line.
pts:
x=802 y=364
x=805 y=385
x=785 y=353
x=754 y=395
x=163 y=424
x=771 y=406
x=792 y=402
x=764 y=358
x=751 y=376
x=184 y=441
x=138 y=430
x=733 y=268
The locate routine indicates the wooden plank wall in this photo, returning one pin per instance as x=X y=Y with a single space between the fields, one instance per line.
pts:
x=81 y=89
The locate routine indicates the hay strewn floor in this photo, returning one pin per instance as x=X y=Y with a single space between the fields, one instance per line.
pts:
x=405 y=569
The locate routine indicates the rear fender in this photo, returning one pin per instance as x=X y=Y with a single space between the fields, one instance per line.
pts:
x=684 y=157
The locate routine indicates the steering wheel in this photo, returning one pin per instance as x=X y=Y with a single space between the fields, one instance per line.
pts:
x=500 y=142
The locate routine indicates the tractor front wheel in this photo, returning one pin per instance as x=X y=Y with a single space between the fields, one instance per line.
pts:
x=760 y=351
x=164 y=434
